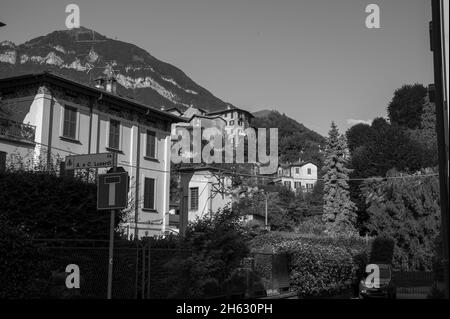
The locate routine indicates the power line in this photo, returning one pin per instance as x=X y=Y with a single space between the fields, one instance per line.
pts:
x=234 y=173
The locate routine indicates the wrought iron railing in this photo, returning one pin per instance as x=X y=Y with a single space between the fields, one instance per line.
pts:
x=15 y=130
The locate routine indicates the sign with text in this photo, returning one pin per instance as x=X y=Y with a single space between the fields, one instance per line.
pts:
x=90 y=161
x=112 y=190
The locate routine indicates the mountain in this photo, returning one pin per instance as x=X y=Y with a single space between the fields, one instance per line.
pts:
x=295 y=141
x=73 y=54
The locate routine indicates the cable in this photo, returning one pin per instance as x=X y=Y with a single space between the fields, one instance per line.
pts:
x=257 y=175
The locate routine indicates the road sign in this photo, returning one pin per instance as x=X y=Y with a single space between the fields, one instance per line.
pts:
x=90 y=160
x=112 y=190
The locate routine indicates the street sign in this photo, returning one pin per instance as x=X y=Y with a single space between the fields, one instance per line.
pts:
x=112 y=190
x=90 y=160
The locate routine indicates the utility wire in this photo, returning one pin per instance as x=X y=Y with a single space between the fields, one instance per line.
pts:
x=234 y=173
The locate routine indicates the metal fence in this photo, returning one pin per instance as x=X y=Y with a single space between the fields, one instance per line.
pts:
x=413 y=283
x=139 y=270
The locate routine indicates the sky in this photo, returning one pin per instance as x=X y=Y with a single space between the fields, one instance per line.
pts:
x=314 y=60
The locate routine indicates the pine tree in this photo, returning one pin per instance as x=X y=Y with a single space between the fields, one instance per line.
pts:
x=338 y=210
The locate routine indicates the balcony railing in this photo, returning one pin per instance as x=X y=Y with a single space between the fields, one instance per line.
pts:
x=17 y=131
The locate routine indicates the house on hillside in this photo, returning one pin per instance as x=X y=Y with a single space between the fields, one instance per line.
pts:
x=234 y=119
x=44 y=115
x=298 y=177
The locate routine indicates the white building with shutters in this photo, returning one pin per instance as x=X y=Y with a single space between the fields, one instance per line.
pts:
x=44 y=115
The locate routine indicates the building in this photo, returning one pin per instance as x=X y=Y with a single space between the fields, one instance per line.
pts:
x=233 y=119
x=298 y=177
x=204 y=190
x=44 y=115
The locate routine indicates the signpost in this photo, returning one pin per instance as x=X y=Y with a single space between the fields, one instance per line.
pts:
x=90 y=160
x=112 y=191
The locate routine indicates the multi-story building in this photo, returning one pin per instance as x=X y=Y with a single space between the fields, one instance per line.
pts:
x=298 y=177
x=44 y=115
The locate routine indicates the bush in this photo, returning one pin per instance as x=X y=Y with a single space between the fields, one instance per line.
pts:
x=21 y=271
x=46 y=206
x=353 y=244
x=317 y=270
x=218 y=245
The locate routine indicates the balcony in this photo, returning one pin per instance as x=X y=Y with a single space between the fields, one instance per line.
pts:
x=17 y=131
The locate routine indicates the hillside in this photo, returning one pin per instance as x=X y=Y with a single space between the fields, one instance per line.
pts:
x=72 y=53
x=294 y=139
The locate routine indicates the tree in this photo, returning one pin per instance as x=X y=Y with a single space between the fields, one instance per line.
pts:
x=217 y=243
x=358 y=135
x=406 y=107
x=407 y=210
x=338 y=210
x=294 y=138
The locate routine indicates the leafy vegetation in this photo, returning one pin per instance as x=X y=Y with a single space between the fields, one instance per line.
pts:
x=294 y=139
x=407 y=210
x=48 y=206
x=217 y=244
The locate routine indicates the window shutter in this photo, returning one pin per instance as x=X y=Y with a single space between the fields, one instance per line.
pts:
x=149 y=193
x=151 y=144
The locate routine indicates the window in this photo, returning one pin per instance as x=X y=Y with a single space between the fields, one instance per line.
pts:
x=232 y=114
x=151 y=144
x=70 y=122
x=297 y=185
x=232 y=122
x=149 y=193
x=297 y=170
x=287 y=184
x=309 y=186
x=309 y=171
x=114 y=134
x=193 y=196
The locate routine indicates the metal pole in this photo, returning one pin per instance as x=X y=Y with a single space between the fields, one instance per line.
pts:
x=436 y=46
x=266 y=212
x=111 y=253
x=149 y=268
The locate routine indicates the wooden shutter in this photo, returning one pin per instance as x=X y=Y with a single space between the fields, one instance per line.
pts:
x=151 y=144
x=149 y=193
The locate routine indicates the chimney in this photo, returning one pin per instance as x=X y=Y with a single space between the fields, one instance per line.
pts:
x=100 y=83
x=111 y=85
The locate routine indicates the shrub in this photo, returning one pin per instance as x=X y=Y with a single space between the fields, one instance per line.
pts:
x=317 y=270
x=218 y=245
x=21 y=271
x=46 y=206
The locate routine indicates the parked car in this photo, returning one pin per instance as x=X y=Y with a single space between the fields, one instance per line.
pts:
x=387 y=287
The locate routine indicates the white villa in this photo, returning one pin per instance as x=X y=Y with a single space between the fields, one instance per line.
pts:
x=44 y=115
x=298 y=177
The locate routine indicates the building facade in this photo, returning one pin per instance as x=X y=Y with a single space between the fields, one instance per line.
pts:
x=44 y=116
x=298 y=177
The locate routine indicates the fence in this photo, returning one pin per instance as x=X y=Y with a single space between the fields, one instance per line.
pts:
x=410 y=283
x=139 y=270
x=267 y=274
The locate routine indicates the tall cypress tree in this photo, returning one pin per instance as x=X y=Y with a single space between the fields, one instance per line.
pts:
x=338 y=210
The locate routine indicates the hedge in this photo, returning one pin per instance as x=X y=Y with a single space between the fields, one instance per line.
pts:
x=317 y=270
x=318 y=265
